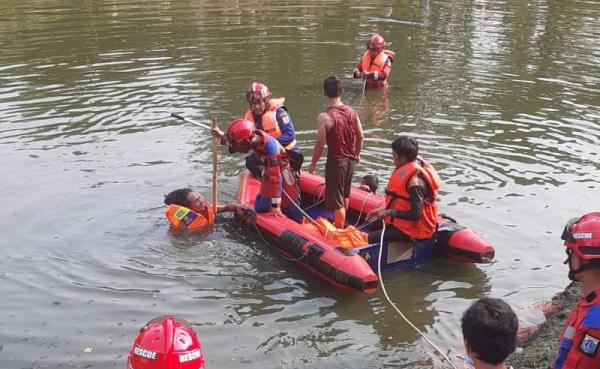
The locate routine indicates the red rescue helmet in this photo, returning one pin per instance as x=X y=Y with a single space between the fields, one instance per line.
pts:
x=166 y=343
x=240 y=130
x=582 y=236
x=376 y=42
x=257 y=91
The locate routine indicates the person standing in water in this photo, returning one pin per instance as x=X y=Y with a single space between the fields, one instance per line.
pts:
x=376 y=63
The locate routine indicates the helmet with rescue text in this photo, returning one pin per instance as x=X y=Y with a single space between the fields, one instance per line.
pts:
x=582 y=238
x=239 y=134
x=166 y=342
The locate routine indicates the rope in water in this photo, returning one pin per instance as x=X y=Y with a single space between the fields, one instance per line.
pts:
x=398 y=310
x=305 y=254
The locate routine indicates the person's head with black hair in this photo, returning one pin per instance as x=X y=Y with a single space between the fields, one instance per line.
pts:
x=333 y=87
x=187 y=198
x=405 y=149
x=178 y=197
x=369 y=183
x=489 y=328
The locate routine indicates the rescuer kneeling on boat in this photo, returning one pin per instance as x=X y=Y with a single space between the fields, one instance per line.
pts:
x=271 y=116
x=166 y=342
x=580 y=340
x=376 y=63
x=189 y=210
x=411 y=210
x=279 y=188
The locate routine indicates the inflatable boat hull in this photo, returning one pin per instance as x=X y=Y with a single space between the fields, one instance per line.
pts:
x=356 y=269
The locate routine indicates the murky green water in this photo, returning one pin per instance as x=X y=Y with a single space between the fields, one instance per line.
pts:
x=503 y=97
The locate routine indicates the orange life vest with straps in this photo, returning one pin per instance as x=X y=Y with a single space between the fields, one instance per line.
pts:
x=182 y=218
x=397 y=197
x=268 y=120
x=347 y=238
x=378 y=63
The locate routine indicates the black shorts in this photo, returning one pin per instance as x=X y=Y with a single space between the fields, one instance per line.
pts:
x=338 y=180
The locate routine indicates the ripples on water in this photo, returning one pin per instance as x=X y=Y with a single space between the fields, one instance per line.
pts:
x=502 y=96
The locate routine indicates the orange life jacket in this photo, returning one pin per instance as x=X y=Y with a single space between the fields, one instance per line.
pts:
x=268 y=120
x=378 y=63
x=397 y=197
x=182 y=218
x=347 y=238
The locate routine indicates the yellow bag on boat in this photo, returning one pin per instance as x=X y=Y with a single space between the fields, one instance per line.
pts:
x=347 y=238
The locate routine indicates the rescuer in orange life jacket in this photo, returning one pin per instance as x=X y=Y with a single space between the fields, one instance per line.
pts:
x=578 y=346
x=411 y=210
x=166 y=342
x=271 y=116
x=189 y=210
x=376 y=63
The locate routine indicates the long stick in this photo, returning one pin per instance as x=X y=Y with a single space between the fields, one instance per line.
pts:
x=181 y=117
x=215 y=146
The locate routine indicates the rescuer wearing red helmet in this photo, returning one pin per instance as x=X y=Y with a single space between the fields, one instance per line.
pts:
x=271 y=116
x=279 y=178
x=166 y=343
x=376 y=63
x=578 y=347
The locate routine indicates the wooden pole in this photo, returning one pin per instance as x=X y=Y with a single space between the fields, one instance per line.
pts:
x=215 y=147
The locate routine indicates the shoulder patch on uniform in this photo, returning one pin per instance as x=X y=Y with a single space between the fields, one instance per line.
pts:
x=285 y=117
x=592 y=318
x=589 y=345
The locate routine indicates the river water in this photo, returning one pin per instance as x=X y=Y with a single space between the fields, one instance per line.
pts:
x=503 y=96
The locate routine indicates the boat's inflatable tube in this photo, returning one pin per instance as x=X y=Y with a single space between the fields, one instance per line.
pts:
x=342 y=268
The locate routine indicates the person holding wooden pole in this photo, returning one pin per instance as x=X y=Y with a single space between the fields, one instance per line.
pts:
x=188 y=209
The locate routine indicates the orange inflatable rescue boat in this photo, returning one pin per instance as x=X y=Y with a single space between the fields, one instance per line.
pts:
x=344 y=258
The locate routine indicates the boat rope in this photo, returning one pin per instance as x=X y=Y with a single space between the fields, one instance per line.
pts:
x=310 y=218
x=317 y=202
x=362 y=208
x=398 y=310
